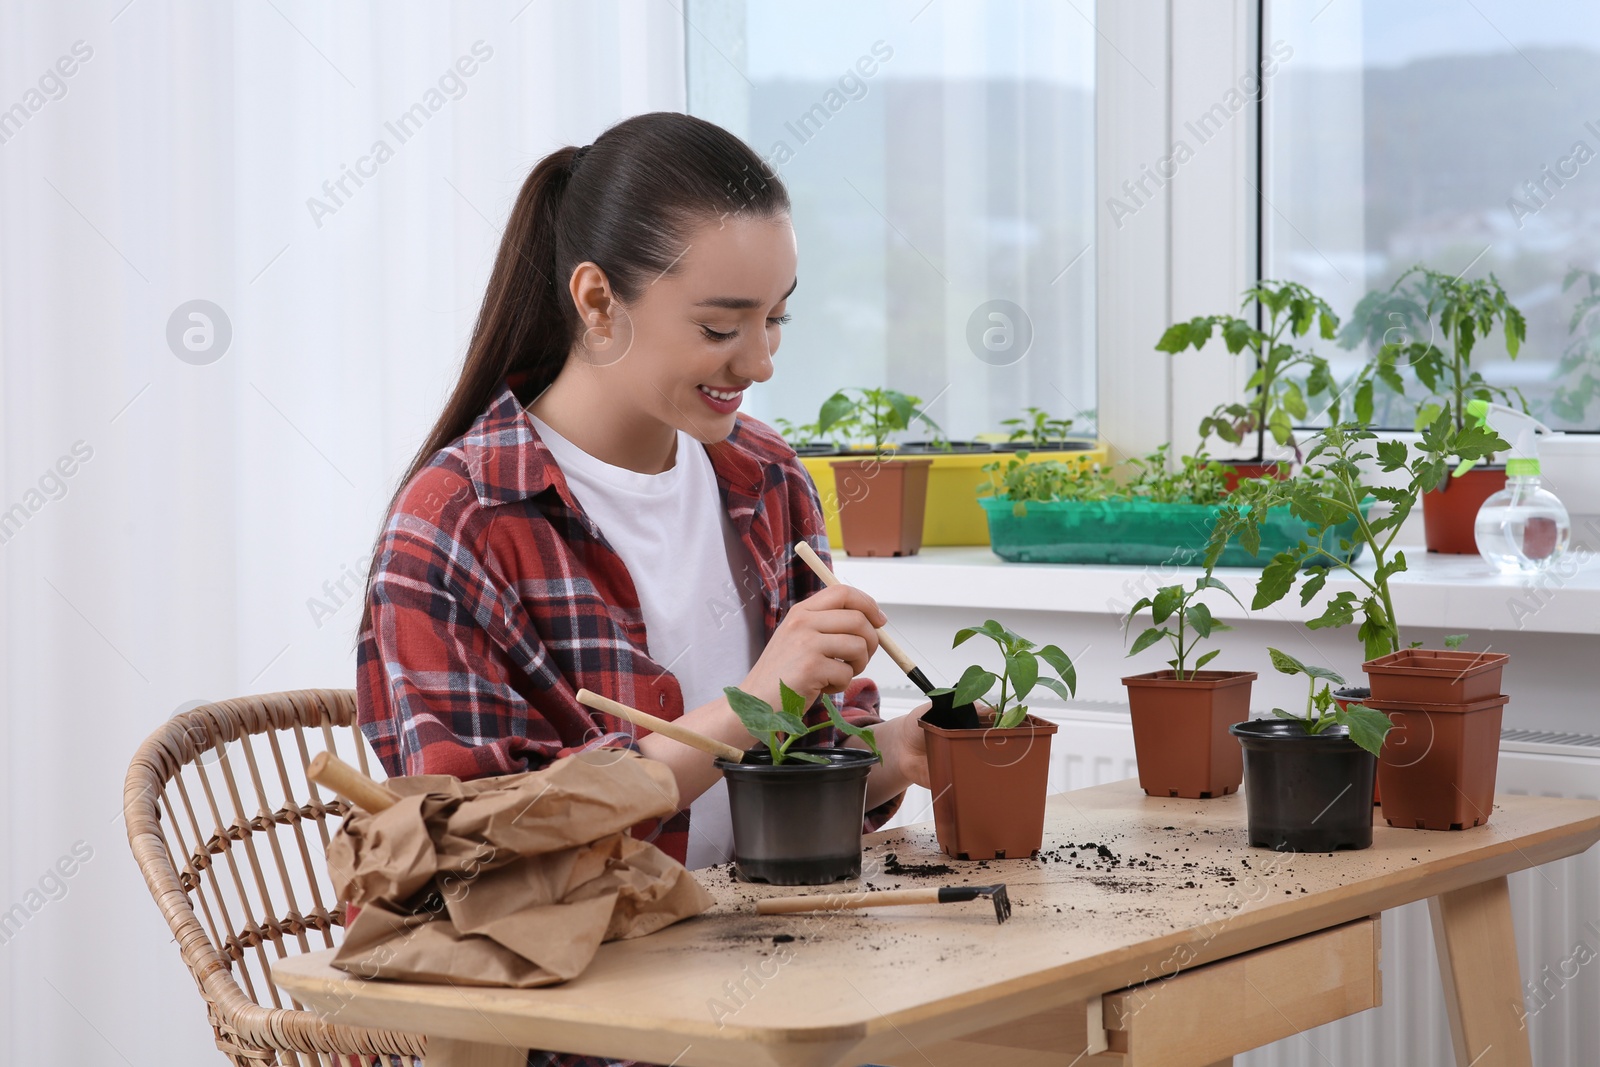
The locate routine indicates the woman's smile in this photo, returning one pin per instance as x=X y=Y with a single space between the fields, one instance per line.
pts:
x=722 y=401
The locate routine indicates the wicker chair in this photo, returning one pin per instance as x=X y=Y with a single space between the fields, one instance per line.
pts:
x=255 y=867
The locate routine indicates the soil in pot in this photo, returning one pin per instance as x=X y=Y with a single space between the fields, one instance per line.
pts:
x=1431 y=676
x=1180 y=731
x=1437 y=768
x=1358 y=695
x=1450 y=512
x=798 y=823
x=881 y=505
x=1305 y=792
x=989 y=787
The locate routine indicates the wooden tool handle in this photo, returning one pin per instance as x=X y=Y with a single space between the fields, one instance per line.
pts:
x=663 y=727
x=333 y=772
x=836 y=901
x=885 y=642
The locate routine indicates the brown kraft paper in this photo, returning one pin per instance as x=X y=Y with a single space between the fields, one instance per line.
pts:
x=509 y=881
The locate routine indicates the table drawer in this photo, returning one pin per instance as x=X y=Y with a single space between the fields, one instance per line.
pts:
x=1197 y=1017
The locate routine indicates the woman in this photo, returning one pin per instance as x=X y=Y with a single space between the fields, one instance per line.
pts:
x=591 y=511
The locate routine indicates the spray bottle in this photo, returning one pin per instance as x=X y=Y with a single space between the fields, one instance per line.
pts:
x=1523 y=528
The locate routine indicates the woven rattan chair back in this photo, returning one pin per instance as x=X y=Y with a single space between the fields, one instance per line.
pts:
x=232 y=839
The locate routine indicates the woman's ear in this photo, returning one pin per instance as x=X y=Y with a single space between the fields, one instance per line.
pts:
x=605 y=330
x=592 y=296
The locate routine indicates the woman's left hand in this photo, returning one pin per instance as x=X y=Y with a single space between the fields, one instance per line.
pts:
x=905 y=747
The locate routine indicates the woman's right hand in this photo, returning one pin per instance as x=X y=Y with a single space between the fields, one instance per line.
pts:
x=820 y=646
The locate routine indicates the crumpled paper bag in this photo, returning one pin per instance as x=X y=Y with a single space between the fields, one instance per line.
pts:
x=509 y=881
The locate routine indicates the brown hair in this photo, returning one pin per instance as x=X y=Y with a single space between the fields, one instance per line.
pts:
x=624 y=203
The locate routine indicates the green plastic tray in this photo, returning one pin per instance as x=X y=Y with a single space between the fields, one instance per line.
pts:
x=1136 y=532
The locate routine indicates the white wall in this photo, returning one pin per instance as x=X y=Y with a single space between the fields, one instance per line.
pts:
x=179 y=560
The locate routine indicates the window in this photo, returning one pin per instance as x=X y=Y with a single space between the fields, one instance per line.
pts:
x=940 y=159
x=1460 y=135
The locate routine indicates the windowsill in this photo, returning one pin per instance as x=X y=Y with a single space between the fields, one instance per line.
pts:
x=1446 y=592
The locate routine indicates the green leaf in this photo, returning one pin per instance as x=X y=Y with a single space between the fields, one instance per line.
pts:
x=1022 y=668
x=1285 y=663
x=835 y=409
x=1166 y=602
x=1207 y=658
x=1340 y=611
x=1060 y=689
x=1198 y=616
x=838 y=720
x=1176 y=338
x=1059 y=661
x=759 y=717
x=975 y=683
x=802 y=755
x=1277 y=578
x=1391 y=455
x=1453 y=641
x=1363 y=403
x=1146 y=639
x=1316 y=577
x=794 y=705
x=1367 y=726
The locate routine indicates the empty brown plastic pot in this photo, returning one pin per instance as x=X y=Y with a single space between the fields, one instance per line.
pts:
x=989 y=787
x=1437 y=767
x=881 y=504
x=1431 y=676
x=1180 y=731
x=1450 y=512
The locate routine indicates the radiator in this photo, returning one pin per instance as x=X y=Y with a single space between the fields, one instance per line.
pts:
x=1557 y=911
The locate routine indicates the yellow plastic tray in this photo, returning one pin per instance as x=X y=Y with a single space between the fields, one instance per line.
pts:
x=953 y=516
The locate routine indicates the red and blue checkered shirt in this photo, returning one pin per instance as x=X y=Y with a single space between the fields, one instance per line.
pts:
x=495 y=599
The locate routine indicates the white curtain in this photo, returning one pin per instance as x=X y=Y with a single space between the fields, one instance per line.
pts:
x=183 y=521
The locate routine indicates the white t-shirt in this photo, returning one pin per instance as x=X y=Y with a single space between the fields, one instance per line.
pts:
x=685 y=559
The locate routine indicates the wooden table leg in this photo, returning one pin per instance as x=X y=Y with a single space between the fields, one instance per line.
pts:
x=444 y=1052
x=1477 y=950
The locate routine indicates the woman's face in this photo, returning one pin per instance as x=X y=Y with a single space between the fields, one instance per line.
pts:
x=695 y=338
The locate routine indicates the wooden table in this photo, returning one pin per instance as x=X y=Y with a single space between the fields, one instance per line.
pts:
x=1110 y=957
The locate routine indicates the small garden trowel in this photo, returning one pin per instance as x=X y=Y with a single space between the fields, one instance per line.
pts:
x=931 y=895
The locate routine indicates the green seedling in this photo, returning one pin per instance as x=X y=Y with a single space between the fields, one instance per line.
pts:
x=1019 y=677
x=1045 y=480
x=1037 y=425
x=1177 y=616
x=1337 y=478
x=780 y=728
x=1291 y=310
x=877 y=413
x=1368 y=727
x=1433 y=304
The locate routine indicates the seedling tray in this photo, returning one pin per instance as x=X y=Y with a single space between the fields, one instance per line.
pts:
x=1138 y=532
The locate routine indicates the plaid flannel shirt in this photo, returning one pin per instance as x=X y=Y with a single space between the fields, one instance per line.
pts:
x=496 y=599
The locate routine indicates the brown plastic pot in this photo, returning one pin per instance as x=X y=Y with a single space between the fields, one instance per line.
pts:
x=1358 y=695
x=989 y=787
x=1238 y=470
x=881 y=504
x=1450 y=512
x=1437 y=767
x=1180 y=731
x=1430 y=676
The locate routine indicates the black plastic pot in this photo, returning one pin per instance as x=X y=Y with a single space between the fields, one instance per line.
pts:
x=932 y=448
x=1305 y=792
x=798 y=823
x=816 y=448
x=1065 y=444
